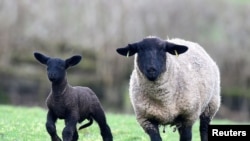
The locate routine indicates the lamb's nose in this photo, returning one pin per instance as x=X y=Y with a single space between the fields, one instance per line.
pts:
x=52 y=76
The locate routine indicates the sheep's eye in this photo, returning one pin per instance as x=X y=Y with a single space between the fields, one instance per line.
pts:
x=162 y=49
x=141 y=48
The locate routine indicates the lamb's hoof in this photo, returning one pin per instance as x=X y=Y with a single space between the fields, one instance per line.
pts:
x=56 y=139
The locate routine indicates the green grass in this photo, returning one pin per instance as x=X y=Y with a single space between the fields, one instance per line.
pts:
x=28 y=124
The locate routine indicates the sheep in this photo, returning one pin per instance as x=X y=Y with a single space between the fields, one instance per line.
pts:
x=174 y=82
x=73 y=104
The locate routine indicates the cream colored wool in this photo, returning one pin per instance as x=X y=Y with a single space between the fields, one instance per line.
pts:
x=189 y=86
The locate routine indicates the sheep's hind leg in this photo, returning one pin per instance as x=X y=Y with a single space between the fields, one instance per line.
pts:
x=100 y=118
x=152 y=129
x=51 y=127
x=185 y=132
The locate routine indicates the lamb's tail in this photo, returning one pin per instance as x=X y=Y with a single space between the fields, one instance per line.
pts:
x=87 y=124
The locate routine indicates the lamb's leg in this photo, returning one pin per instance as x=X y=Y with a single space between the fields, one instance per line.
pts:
x=51 y=127
x=75 y=136
x=185 y=132
x=151 y=128
x=70 y=129
x=100 y=118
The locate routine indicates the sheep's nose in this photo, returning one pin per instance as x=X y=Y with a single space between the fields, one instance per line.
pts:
x=152 y=74
x=151 y=70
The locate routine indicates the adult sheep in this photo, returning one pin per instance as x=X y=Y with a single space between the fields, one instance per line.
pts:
x=174 y=82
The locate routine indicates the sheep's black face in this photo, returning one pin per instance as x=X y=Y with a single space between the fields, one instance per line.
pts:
x=151 y=58
x=56 y=70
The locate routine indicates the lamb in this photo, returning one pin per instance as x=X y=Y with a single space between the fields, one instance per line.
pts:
x=73 y=104
x=174 y=82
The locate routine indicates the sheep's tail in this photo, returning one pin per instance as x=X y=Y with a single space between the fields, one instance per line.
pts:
x=87 y=124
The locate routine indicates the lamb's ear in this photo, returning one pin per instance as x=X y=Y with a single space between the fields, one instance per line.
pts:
x=129 y=50
x=72 y=61
x=175 y=49
x=41 y=57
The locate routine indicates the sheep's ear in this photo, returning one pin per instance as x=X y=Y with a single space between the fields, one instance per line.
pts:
x=41 y=58
x=175 y=49
x=72 y=61
x=129 y=50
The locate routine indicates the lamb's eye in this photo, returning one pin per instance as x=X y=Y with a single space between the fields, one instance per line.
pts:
x=162 y=49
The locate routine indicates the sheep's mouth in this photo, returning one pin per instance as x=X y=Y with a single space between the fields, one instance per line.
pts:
x=152 y=76
x=151 y=73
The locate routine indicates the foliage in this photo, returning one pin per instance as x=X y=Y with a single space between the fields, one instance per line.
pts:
x=240 y=1
x=95 y=29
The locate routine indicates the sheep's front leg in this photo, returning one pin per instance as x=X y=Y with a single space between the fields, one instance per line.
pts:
x=204 y=123
x=151 y=128
x=70 y=132
x=185 y=132
x=51 y=127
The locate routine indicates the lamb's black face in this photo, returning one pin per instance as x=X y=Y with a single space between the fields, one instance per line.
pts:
x=56 y=67
x=151 y=58
x=56 y=70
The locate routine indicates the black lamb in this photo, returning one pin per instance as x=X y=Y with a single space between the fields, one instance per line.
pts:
x=73 y=104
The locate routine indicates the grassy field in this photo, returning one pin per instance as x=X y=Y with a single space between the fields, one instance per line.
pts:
x=28 y=124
